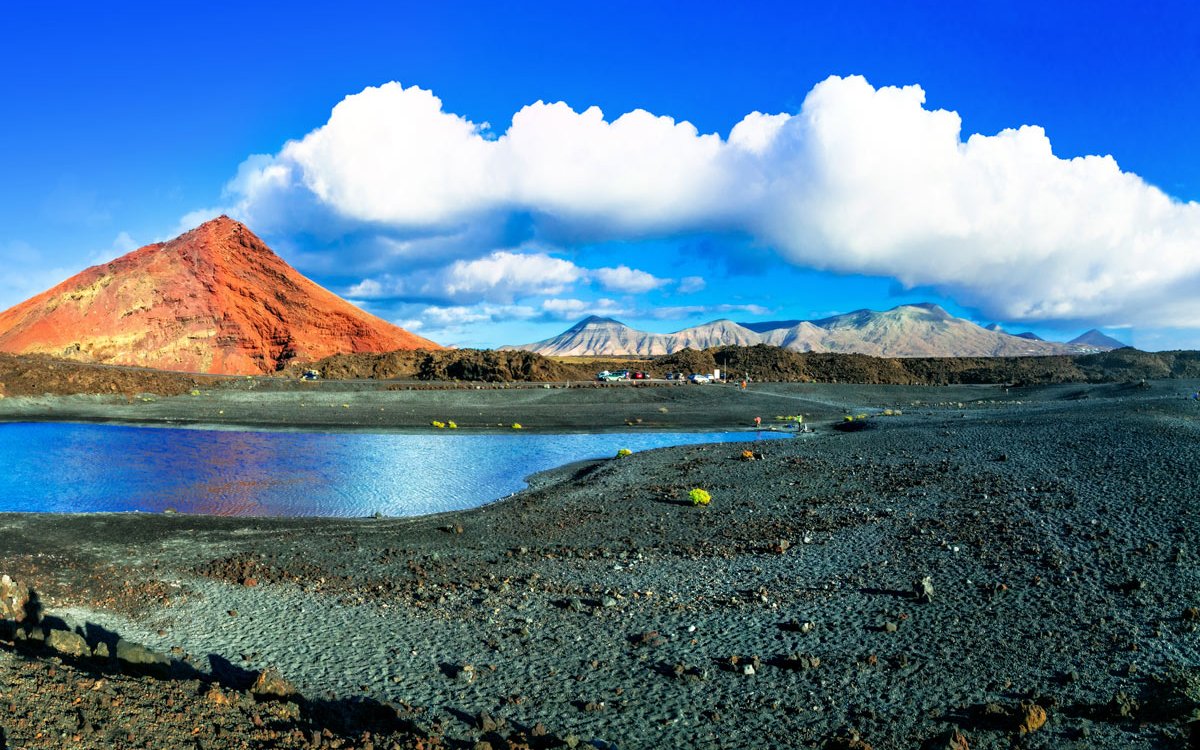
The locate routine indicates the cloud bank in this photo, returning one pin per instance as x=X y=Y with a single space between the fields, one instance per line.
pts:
x=860 y=180
x=501 y=277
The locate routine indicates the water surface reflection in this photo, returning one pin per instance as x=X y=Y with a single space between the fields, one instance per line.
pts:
x=87 y=468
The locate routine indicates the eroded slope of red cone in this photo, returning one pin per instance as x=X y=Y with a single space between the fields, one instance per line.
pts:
x=214 y=300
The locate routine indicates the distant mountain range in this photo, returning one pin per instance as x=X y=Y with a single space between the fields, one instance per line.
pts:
x=918 y=330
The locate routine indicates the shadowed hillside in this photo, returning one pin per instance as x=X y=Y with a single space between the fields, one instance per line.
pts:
x=37 y=375
x=765 y=363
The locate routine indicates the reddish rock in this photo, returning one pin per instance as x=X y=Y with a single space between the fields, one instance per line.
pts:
x=1030 y=718
x=12 y=599
x=270 y=684
x=214 y=300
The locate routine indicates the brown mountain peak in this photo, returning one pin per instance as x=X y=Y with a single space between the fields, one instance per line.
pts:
x=215 y=299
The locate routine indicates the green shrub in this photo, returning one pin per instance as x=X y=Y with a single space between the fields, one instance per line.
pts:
x=699 y=497
x=623 y=452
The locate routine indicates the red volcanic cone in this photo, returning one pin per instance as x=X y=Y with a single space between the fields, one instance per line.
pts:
x=214 y=300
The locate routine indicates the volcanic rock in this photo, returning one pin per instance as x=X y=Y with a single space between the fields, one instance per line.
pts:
x=137 y=658
x=67 y=642
x=270 y=684
x=12 y=599
x=214 y=300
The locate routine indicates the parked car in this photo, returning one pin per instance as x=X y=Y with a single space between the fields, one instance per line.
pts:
x=637 y=375
x=674 y=376
x=622 y=374
x=697 y=377
x=606 y=375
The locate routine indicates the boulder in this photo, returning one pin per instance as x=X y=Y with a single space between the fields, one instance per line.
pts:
x=270 y=684
x=67 y=642
x=137 y=658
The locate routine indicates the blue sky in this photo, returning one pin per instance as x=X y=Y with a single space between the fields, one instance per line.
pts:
x=123 y=125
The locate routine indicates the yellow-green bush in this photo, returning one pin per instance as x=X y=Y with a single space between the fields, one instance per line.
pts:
x=623 y=452
x=699 y=497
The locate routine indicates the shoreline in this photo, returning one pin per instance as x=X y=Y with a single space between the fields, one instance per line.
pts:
x=428 y=431
x=366 y=406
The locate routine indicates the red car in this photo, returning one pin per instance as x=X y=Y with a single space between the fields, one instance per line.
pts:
x=637 y=375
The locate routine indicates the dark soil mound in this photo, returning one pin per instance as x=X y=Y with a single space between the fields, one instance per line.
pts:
x=481 y=365
x=35 y=375
x=688 y=361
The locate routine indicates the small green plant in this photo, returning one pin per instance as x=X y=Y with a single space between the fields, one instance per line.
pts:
x=623 y=452
x=699 y=497
x=847 y=418
x=451 y=425
x=437 y=424
x=517 y=426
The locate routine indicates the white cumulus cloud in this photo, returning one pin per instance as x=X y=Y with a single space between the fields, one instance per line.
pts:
x=683 y=311
x=860 y=180
x=501 y=276
x=453 y=316
x=517 y=273
x=626 y=279
x=572 y=309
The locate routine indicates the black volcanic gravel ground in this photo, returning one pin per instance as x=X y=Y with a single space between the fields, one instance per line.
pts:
x=1059 y=529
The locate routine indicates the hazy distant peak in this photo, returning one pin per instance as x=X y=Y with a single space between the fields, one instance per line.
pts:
x=595 y=320
x=1095 y=338
x=929 y=309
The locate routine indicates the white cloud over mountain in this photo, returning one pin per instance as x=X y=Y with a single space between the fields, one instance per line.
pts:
x=626 y=279
x=502 y=276
x=860 y=180
x=514 y=273
x=450 y=323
